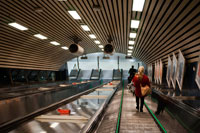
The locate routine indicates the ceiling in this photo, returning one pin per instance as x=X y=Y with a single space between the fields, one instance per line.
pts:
x=165 y=27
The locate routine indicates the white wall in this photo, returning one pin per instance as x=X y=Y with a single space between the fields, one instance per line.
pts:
x=104 y=64
x=107 y=65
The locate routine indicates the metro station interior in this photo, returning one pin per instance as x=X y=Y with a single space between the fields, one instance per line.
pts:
x=65 y=66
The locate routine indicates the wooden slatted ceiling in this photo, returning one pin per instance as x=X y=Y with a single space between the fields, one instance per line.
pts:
x=165 y=26
x=174 y=25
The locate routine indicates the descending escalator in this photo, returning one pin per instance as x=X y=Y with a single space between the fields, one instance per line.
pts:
x=126 y=119
x=82 y=107
x=134 y=121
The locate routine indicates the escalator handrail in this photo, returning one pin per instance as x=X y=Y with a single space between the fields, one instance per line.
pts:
x=155 y=119
x=89 y=127
x=186 y=108
x=56 y=88
x=120 y=110
x=13 y=123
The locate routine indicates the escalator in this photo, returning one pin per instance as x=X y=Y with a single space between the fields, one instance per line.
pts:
x=82 y=108
x=122 y=116
x=132 y=120
x=95 y=74
x=74 y=74
x=117 y=74
x=103 y=112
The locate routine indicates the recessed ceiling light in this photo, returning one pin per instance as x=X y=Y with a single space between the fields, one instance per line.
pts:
x=65 y=48
x=138 y=5
x=130 y=47
x=130 y=51
x=40 y=36
x=131 y=42
x=129 y=54
x=97 y=42
x=132 y=35
x=74 y=14
x=100 y=46
x=92 y=36
x=85 y=27
x=18 y=26
x=135 y=23
x=102 y=49
x=55 y=43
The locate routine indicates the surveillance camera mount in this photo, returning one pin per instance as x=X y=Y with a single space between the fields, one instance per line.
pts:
x=109 y=39
x=76 y=40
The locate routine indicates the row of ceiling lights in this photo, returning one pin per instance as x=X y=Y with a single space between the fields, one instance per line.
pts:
x=137 y=6
x=75 y=15
x=23 y=28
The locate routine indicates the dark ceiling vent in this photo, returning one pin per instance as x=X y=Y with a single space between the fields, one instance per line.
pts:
x=76 y=49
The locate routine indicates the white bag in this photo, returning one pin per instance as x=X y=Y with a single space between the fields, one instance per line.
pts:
x=131 y=88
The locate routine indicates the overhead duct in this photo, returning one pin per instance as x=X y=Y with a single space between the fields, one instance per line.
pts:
x=76 y=49
x=108 y=49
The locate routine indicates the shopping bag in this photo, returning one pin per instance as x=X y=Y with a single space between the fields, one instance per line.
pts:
x=145 y=90
x=131 y=88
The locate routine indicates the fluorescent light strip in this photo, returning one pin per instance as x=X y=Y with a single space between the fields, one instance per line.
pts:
x=130 y=47
x=132 y=35
x=138 y=5
x=135 y=23
x=40 y=36
x=130 y=51
x=129 y=54
x=102 y=49
x=131 y=42
x=18 y=26
x=55 y=43
x=74 y=14
x=100 y=46
x=42 y=132
x=65 y=48
x=97 y=42
x=85 y=27
x=92 y=36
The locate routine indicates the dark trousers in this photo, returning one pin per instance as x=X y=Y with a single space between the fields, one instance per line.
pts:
x=141 y=103
x=130 y=78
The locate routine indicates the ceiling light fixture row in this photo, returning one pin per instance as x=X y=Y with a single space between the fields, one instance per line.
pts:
x=42 y=37
x=137 y=6
x=75 y=15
